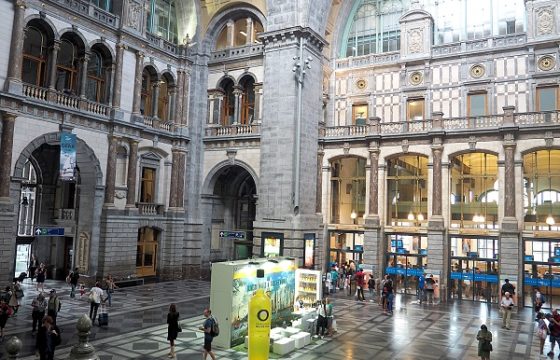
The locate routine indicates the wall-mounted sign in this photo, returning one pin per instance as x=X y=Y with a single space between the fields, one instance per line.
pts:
x=309 y=250
x=272 y=244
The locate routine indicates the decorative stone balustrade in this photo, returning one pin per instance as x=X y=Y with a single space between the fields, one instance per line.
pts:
x=233 y=130
x=68 y=100
x=87 y=8
x=150 y=209
x=35 y=92
x=236 y=52
x=65 y=214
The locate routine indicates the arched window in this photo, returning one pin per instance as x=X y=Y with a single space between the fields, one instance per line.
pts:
x=164 y=107
x=67 y=66
x=96 y=85
x=407 y=190
x=541 y=172
x=375 y=28
x=149 y=80
x=240 y=32
x=474 y=191
x=35 y=55
x=247 y=100
x=162 y=19
x=228 y=104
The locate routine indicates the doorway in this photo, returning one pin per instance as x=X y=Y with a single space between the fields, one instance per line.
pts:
x=146 y=252
x=474 y=279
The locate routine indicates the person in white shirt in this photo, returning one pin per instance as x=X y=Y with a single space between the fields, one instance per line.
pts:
x=95 y=298
x=322 y=321
x=506 y=305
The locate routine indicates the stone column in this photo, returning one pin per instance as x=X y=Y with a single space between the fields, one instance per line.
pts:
x=52 y=65
x=436 y=179
x=509 y=180
x=249 y=31
x=110 y=79
x=373 y=204
x=136 y=99
x=118 y=77
x=319 y=197
x=238 y=93
x=230 y=33
x=6 y=148
x=177 y=188
x=131 y=173
x=155 y=100
x=218 y=115
x=185 y=98
x=258 y=103
x=83 y=77
x=373 y=239
x=111 y=171
x=177 y=112
x=13 y=84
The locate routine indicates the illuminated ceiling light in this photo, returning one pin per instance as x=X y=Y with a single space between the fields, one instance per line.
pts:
x=353 y=215
x=420 y=217
x=550 y=220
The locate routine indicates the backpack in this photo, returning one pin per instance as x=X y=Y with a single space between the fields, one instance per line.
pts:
x=215 y=330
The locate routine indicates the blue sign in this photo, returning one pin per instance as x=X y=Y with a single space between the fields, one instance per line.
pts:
x=67 y=164
x=359 y=248
x=423 y=251
x=528 y=258
x=44 y=231
x=472 y=254
x=469 y=276
x=556 y=251
x=232 y=234
x=555 y=259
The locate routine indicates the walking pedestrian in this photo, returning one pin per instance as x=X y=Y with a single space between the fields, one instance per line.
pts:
x=173 y=329
x=208 y=334
x=429 y=288
x=334 y=278
x=389 y=295
x=506 y=306
x=74 y=278
x=322 y=320
x=554 y=327
x=508 y=287
x=41 y=277
x=39 y=305
x=95 y=297
x=48 y=338
x=542 y=331
x=360 y=283
x=421 y=285
x=5 y=313
x=539 y=300
x=53 y=306
x=110 y=286
x=16 y=294
x=371 y=287
x=33 y=263
x=484 y=338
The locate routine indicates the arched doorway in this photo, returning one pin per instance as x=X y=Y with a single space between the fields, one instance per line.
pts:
x=233 y=209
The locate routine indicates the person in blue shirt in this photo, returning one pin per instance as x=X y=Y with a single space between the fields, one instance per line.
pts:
x=208 y=337
x=421 y=283
x=334 y=278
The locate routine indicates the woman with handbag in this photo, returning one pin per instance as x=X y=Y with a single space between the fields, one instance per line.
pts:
x=542 y=331
x=484 y=338
x=173 y=329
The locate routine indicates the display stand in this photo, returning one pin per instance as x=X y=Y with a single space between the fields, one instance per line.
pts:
x=308 y=288
x=234 y=283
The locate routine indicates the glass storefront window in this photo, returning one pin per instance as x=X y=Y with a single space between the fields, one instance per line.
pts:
x=407 y=192
x=474 y=191
x=346 y=246
x=348 y=190
x=162 y=20
x=406 y=260
x=541 y=195
x=541 y=270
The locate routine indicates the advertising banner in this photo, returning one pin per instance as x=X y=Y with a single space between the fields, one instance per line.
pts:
x=308 y=250
x=67 y=156
x=279 y=284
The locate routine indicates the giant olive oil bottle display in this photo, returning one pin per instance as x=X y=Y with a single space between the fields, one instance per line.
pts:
x=260 y=316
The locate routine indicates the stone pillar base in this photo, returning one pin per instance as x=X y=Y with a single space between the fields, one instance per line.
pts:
x=117 y=114
x=510 y=256
x=374 y=245
x=8 y=220
x=14 y=87
x=438 y=253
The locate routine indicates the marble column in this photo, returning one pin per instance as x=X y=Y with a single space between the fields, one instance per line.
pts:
x=178 y=112
x=237 y=93
x=16 y=47
x=249 y=38
x=52 y=64
x=110 y=79
x=6 y=148
x=509 y=180
x=436 y=180
x=83 y=76
x=170 y=115
x=373 y=204
x=319 y=190
x=218 y=115
x=258 y=103
x=117 y=85
x=155 y=100
x=185 y=98
x=131 y=173
x=111 y=171
x=230 y=33
x=136 y=99
x=177 y=187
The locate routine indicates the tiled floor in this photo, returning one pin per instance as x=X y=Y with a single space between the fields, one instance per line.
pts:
x=137 y=328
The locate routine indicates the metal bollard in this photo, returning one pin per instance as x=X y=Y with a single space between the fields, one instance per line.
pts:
x=83 y=350
x=13 y=347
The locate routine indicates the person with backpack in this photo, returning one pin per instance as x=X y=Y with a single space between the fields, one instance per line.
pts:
x=48 y=338
x=209 y=328
x=539 y=300
x=53 y=306
x=39 y=305
x=73 y=278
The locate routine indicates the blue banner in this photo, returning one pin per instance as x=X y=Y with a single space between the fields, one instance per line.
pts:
x=469 y=276
x=402 y=271
x=67 y=156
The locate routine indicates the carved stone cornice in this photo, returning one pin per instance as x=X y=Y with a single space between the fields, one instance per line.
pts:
x=291 y=36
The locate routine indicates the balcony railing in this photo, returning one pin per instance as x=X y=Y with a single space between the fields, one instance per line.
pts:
x=376 y=127
x=35 y=92
x=87 y=8
x=161 y=43
x=150 y=208
x=233 y=130
x=237 y=52
x=65 y=214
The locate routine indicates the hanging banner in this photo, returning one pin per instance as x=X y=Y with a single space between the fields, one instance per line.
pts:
x=67 y=156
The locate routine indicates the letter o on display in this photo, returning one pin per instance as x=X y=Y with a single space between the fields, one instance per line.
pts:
x=263 y=315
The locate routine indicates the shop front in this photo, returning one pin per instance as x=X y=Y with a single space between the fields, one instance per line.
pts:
x=346 y=246
x=406 y=260
x=541 y=270
x=474 y=269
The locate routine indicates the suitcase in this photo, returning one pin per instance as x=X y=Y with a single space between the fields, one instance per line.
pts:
x=103 y=319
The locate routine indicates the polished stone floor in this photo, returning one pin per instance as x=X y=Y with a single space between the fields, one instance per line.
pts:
x=137 y=327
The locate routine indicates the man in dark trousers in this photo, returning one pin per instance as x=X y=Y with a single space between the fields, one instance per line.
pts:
x=74 y=277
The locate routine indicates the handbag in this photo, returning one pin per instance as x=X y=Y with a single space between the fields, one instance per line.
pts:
x=91 y=298
x=486 y=346
x=179 y=328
